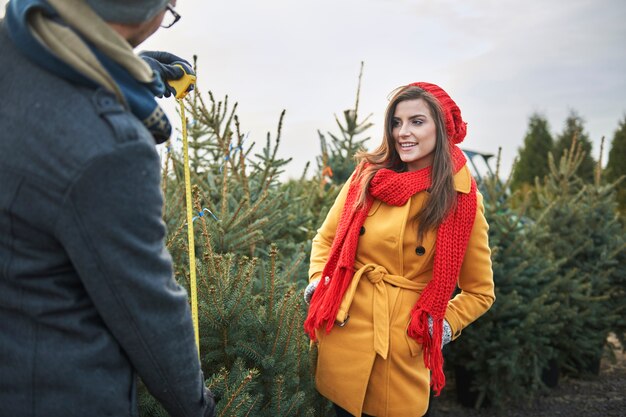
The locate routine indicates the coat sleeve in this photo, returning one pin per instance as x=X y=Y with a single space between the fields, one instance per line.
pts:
x=475 y=279
x=323 y=240
x=112 y=230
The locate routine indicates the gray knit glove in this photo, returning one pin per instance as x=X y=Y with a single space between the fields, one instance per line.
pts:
x=446 y=336
x=309 y=290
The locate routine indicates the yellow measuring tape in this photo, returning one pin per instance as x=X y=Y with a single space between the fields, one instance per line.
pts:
x=193 y=287
x=182 y=88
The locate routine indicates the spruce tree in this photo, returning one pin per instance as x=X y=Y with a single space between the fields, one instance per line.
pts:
x=585 y=232
x=574 y=130
x=616 y=166
x=532 y=158
x=509 y=346
x=252 y=240
x=238 y=188
x=618 y=294
x=336 y=161
x=251 y=237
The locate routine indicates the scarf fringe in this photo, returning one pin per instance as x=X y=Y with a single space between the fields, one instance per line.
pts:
x=431 y=343
x=326 y=301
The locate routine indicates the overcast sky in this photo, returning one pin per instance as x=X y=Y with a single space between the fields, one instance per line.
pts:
x=501 y=60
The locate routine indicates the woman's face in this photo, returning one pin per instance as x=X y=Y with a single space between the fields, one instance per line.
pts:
x=414 y=133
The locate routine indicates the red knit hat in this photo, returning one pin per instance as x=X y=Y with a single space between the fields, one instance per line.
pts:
x=456 y=128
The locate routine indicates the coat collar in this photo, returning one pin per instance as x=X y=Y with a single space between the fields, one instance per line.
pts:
x=463 y=180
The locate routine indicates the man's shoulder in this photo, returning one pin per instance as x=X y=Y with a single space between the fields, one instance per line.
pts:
x=53 y=118
x=44 y=99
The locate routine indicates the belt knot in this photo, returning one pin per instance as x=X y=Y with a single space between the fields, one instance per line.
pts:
x=375 y=273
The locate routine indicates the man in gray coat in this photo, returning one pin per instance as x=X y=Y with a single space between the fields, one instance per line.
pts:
x=87 y=295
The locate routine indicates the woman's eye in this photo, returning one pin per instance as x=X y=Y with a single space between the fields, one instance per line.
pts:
x=395 y=124
x=417 y=122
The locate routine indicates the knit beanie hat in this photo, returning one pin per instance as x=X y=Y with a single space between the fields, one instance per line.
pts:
x=456 y=128
x=127 y=11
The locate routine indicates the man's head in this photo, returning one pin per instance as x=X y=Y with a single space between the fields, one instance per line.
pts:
x=127 y=11
x=135 y=20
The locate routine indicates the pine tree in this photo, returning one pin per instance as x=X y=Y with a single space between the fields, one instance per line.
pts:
x=616 y=166
x=509 y=346
x=253 y=316
x=337 y=159
x=252 y=239
x=618 y=295
x=585 y=232
x=574 y=131
x=559 y=279
x=252 y=347
x=239 y=189
x=251 y=234
x=533 y=156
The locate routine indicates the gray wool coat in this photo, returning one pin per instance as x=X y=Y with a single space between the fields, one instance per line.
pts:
x=87 y=296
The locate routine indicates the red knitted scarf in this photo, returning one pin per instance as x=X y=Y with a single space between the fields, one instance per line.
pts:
x=452 y=237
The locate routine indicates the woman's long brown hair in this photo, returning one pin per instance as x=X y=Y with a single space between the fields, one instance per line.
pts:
x=442 y=193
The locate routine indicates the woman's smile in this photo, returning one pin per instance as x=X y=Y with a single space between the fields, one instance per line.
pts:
x=415 y=133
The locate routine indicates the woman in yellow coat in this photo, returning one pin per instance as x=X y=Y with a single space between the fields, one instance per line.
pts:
x=405 y=231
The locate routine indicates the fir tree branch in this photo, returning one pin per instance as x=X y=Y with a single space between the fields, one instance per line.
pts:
x=239 y=389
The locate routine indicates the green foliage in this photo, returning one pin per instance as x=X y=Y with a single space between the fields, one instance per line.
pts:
x=254 y=335
x=559 y=283
x=618 y=296
x=338 y=154
x=574 y=132
x=148 y=406
x=252 y=239
x=234 y=390
x=532 y=161
x=583 y=229
x=616 y=166
x=240 y=188
x=509 y=346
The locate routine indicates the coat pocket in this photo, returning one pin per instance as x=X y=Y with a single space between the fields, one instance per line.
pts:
x=414 y=347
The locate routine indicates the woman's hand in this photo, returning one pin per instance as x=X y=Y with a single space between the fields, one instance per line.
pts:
x=309 y=290
x=446 y=336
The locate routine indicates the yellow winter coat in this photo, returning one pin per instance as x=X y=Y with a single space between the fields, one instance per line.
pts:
x=370 y=365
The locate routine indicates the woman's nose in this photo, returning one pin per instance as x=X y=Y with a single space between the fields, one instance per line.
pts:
x=404 y=130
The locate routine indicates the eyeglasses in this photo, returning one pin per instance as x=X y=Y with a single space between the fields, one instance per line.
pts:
x=170 y=18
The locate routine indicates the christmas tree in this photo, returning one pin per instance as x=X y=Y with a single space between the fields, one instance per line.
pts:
x=507 y=349
x=574 y=131
x=584 y=230
x=249 y=232
x=616 y=166
x=337 y=158
x=532 y=161
x=252 y=240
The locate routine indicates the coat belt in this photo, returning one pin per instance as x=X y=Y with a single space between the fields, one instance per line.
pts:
x=377 y=276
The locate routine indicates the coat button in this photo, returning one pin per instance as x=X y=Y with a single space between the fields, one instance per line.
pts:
x=420 y=250
x=362 y=231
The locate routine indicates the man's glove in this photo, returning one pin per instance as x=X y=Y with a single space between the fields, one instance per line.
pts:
x=309 y=290
x=165 y=65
